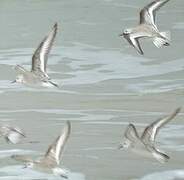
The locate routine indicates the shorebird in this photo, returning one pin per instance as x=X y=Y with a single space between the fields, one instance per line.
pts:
x=12 y=135
x=38 y=75
x=51 y=160
x=145 y=144
x=147 y=28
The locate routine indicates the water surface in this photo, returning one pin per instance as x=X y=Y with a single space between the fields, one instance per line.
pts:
x=104 y=85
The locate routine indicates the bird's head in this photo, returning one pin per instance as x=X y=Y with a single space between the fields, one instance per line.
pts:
x=125 y=144
x=126 y=32
x=29 y=165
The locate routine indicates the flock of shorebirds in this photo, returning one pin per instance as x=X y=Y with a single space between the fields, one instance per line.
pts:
x=143 y=144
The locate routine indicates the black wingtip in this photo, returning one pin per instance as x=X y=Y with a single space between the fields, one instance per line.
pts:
x=141 y=52
x=68 y=124
x=64 y=176
x=178 y=110
x=120 y=146
x=130 y=124
x=165 y=158
x=55 y=25
x=14 y=81
x=54 y=84
x=167 y=44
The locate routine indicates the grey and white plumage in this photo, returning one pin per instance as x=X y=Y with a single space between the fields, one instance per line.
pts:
x=147 y=28
x=51 y=160
x=12 y=135
x=38 y=75
x=145 y=144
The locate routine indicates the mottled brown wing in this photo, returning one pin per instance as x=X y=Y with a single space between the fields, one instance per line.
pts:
x=151 y=131
x=134 y=42
x=131 y=133
x=40 y=57
x=55 y=150
x=148 y=13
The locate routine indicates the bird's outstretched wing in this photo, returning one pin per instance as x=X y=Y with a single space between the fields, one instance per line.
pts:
x=12 y=134
x=134 y=41
x=40 y=57
x=131 y=133
x=150 y=132
x=20 y=69
x=55 y=150
x=148 y=13
x=158 y=155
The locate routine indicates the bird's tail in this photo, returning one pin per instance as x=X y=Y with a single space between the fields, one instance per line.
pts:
x=163 y=39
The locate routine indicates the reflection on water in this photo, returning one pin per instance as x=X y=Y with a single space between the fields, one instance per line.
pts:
x=18 y=173
x=165 y=175
x=8 y=153
x=179 y=25
x=84 y=64
x=104 y=85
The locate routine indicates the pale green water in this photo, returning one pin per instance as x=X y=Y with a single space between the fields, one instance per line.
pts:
x=104 y=83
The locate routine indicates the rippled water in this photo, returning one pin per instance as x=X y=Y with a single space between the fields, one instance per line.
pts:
x=104 y=85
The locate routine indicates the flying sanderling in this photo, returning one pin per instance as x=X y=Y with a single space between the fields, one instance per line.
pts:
x=145 y=144
x=50 y=162
x=38 y=75
x=12 y=135
x=147 y=28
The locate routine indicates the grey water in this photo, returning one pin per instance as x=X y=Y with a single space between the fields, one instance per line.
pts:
x=104 y=85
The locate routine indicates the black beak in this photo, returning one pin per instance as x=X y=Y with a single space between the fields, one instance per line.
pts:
x=121 y=34
x=13 y=81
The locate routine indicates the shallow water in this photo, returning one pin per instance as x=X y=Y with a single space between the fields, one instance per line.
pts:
x=104 y=85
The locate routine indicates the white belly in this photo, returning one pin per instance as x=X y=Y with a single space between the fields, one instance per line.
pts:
x=140 y=149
